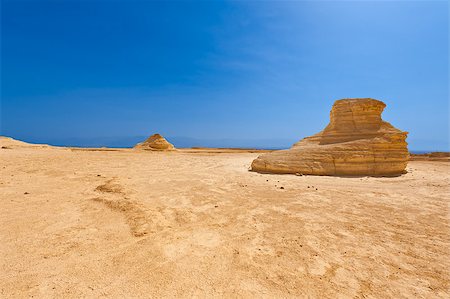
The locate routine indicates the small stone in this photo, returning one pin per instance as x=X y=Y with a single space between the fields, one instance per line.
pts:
x=26 y=193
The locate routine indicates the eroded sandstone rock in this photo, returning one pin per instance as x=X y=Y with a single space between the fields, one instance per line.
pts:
x=355 y=142
x=155 y=142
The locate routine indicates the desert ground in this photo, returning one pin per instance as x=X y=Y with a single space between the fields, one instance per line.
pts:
x=196 y=223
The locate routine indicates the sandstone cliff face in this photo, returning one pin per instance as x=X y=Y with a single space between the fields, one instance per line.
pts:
x=355 y=142
x=155 y=142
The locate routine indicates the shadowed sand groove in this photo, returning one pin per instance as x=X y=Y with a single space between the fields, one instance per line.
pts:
x=118 y=201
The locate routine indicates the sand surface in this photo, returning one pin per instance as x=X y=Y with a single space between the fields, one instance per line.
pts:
x=124 y=223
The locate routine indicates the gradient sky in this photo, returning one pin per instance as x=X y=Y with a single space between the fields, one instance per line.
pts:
x=243 y=73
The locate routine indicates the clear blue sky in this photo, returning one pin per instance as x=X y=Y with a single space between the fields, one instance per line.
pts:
x=230 y=73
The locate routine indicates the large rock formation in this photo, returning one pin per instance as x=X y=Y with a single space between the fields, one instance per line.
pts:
x=156 y=143
x=355 y=142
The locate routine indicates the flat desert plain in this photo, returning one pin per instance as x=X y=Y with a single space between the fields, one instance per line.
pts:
x=196 y=223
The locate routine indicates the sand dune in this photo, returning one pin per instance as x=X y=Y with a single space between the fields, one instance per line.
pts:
x=8 y=143
x=131 y=223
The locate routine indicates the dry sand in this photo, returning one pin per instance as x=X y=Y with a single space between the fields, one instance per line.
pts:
x=123 y=223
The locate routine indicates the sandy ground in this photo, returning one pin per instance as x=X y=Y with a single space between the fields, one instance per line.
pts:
x=122 y=223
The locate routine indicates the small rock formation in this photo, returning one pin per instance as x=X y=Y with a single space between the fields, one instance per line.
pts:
x=156 y=143
x=356 y=142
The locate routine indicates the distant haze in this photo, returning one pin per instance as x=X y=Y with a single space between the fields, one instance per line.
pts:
x=179 y=142
x=259 y=74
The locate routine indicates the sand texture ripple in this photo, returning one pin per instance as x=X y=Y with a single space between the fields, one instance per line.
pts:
x=126 y=223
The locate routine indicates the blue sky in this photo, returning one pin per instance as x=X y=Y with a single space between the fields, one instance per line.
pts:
x=219 y=73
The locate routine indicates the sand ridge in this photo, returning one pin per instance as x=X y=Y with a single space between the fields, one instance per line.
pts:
x=9 y=143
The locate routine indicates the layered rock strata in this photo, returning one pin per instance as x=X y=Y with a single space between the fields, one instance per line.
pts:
x=155 y=142
x=356 y=142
